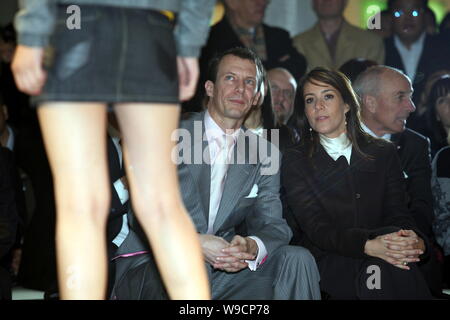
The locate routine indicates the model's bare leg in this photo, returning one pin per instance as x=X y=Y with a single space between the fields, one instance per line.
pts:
x=75 y=140
x=152 y=175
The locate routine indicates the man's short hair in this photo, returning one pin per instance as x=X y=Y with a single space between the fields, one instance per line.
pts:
x=243 y=53
x=368 y=82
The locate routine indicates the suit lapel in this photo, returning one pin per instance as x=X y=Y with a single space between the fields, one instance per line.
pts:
x=200 y=171
x=237 y=177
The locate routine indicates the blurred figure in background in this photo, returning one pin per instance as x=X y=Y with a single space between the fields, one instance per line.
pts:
x=333 y=41
x=437 y=115
x=412 y=50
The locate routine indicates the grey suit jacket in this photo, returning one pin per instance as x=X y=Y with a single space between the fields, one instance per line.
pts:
x=259 y=216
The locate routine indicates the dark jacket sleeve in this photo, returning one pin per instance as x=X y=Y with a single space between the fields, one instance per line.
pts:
x=8 y=213
x=396 y=213
x=419 y=189
x=310 y=215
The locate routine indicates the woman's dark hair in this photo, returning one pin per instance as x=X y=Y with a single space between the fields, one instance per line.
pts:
x=340 y=82
x=440 y=89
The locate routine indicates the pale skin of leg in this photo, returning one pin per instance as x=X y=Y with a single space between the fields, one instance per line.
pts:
x=75 y=141
x=153 y=180
x=74 y=135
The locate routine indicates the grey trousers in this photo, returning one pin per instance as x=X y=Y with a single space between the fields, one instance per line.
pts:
x=290 y=273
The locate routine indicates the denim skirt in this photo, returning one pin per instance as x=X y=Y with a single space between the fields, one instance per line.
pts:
x=113 y=55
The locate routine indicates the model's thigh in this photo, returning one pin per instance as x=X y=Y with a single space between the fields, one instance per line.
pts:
x=75 y=141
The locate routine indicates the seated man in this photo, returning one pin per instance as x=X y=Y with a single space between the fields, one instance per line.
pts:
x=332 y=41
x=234 y=201
x=386 y=103
x=283 y=86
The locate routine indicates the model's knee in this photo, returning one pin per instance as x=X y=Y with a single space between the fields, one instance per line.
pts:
x=92 y=208
x=158 y=208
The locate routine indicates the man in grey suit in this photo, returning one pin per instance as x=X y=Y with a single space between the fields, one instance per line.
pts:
x=229 y=180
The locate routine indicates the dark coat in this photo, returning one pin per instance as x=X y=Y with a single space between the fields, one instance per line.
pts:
x=280 y=51
x=334 y=208
x=413 y=150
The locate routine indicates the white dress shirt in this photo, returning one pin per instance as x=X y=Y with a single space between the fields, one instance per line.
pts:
x=213 y=133
x=336 y=147
x=410 y=57
x=387 y=136
x=122 y=192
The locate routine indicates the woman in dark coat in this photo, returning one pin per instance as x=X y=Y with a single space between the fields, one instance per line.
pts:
x=345 y=200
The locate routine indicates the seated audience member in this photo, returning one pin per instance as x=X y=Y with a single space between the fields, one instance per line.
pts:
x=346 y=196
x=422 y=106
x=242 y=26
x=333 y=41
x=234 y=204
x=354 y=67
x=441 y=191
x=412 y=50
x=385 y=95
x=262 y=117
x=8 y=219
x=283 y=87
x=437 y=116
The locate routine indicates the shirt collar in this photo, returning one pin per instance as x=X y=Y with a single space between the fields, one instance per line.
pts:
x=336 y=147
x=415 y=46
x=214 y=131
x=387 y=136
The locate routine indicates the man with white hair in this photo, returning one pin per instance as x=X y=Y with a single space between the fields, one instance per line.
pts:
x=386 y=102
x=283 y=87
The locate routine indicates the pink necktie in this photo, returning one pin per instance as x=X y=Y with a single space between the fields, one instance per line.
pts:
x=219 y=168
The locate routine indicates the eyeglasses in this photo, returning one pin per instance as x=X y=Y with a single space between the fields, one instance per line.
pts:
x=287 y=94
x=413 y=13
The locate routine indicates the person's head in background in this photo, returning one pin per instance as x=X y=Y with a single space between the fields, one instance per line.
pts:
x=431 y=80
x=438 y=112
x=7 y=43
x=283 y=87
x=408 y=19
x=354 y=67
x=246 y=13
x=385 y=95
